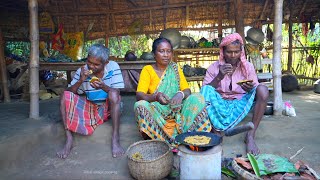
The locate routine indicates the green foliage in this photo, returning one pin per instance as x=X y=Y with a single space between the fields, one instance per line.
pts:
x=21 y=49
x=136 y=43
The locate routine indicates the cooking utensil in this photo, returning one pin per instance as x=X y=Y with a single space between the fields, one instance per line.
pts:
x=269 y=109
x=255 y=36
x=316 y=86
x=215 y=139
x=173 y=35
x=239 y=129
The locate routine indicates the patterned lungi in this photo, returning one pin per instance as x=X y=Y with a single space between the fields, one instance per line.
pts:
x=83 y=116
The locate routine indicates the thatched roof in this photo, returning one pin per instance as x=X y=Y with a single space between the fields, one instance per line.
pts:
x=102 y=18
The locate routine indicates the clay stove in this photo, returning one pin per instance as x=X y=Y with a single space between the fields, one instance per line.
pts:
x=200 y=162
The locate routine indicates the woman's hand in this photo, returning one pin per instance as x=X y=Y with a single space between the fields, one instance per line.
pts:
x=247 y=86
x=176 y=101
x=161 y=98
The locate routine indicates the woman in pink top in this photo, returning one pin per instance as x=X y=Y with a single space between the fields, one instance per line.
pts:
x=228 y=100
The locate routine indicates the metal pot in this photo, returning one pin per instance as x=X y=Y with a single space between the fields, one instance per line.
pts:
x=147 y=56
x=255 y=36
x=269 y=109
x=173 y=35
x=184 y=42
x=316 y=86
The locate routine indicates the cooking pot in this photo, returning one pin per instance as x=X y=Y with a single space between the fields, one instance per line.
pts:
x=184 y=42
x=173 y=35
x=269 y=109
x=316 y=86
x=147 y=56
x=192 y=43
x=255 y=36
x=130 y=56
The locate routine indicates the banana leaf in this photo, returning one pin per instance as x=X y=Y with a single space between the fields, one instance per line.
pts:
x=228 y=172
x=270 y=163
x=254 y=164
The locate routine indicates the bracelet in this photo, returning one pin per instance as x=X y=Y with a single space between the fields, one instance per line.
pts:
x=181 y=93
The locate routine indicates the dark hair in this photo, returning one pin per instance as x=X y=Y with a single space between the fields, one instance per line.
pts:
x=236 y=42
x=158 y=41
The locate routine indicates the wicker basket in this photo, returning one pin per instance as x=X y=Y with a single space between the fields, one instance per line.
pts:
x=156 y=162
x=242 y=172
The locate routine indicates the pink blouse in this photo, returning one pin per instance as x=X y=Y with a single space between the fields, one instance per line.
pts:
x=224 y=86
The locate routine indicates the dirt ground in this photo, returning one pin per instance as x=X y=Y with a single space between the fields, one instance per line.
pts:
x=28 y=147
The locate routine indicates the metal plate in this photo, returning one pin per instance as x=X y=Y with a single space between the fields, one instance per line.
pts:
x=215 y=139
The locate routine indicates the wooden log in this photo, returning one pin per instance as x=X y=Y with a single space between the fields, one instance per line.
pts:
x=3 y=70
x=239 y=18
x=276 y=67
x=34 y=60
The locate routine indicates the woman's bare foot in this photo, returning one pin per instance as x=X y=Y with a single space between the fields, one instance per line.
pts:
x=251 y=146
x=64 y=153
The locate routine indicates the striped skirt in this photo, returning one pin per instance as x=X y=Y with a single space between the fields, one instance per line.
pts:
x=83 y=116
x=223 y=113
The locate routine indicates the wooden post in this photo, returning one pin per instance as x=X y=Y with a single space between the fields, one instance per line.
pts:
x=3 y=70
x=238 y=7
x=276 y=66
x=187 y=15
x=289 y=65
x=220 y=22
x=34 y=60
x=107 y=40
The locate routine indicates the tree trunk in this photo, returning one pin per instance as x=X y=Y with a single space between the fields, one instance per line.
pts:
x=3 y=70
x=277 y=39
x=34 y=60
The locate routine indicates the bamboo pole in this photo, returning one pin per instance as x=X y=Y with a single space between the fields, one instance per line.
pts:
x=3 y=70
x=187 y=15
x=289 y=65
x=239 y=19
x=220 y=22
x=34 y=60
x=276 y=66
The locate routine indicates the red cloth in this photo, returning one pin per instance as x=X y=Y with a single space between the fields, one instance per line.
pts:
x=83 y=116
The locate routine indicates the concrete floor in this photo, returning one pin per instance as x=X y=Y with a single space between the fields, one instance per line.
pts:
x=28 y=147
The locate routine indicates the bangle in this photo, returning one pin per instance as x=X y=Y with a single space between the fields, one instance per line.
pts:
x=181 y=93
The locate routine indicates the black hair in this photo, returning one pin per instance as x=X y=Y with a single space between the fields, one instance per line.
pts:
x=236 y=42
x=158 y=41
